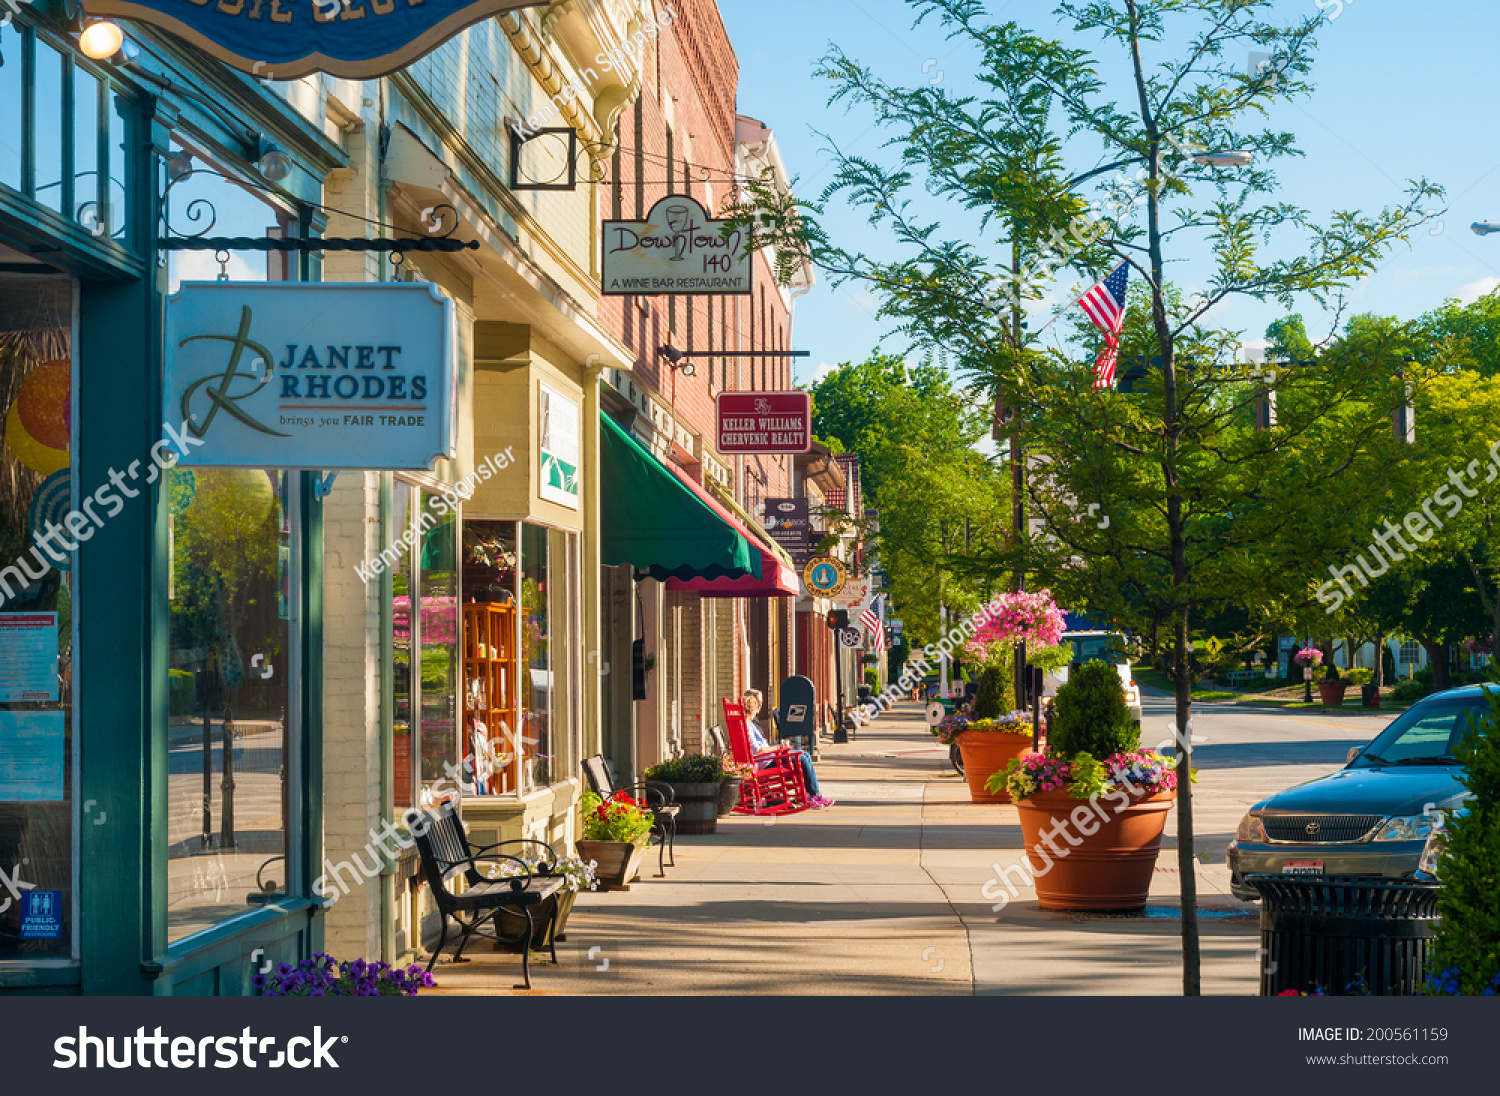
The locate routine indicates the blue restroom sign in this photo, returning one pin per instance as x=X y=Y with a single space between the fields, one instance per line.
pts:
x=41 y=915
x=287 y=39
x=322 y=376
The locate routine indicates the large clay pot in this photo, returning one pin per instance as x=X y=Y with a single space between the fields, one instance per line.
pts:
x=1111 y=868
x=1331 y=693
x=986 y=753
x=729 y=793
x=617 y=862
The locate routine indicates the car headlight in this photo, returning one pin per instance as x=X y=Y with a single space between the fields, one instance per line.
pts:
x=1251 y=829
x=1432 y=852
x=1413 y=827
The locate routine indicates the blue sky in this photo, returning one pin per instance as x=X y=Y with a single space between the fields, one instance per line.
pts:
x=1401 y=91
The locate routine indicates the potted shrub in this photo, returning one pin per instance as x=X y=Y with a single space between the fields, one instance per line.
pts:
x=325 y=976
x=615 y=835
x=988 y=746
x=695 y=782
x=550 y=920
x=1093 y=804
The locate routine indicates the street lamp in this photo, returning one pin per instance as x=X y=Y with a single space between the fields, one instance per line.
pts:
x=1484 y=228
x=1231 y=158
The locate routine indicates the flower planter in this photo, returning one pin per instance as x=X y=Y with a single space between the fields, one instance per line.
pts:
x=986 y=753
x=1331 y=693
x=700 y=807
x=1111 y=868
x=729 y=793
x=618 y=862
x=549 y=920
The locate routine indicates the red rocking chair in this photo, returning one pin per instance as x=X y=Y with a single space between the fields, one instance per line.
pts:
x=773 y=782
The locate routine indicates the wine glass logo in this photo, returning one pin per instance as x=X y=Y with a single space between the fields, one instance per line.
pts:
x=679 y=220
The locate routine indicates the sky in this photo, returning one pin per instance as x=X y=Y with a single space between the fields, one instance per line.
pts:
x=1401 y=91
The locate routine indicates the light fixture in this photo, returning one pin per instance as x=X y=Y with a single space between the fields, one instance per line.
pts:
x=675 y=360
x=1231 y=158
x=271 y=159
x=101 y=40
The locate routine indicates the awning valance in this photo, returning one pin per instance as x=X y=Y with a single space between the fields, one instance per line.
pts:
x=777 y=577
x=652 y=520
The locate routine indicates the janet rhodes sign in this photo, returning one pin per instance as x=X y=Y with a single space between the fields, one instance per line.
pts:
x=286 y=39
x=307 y=375
x=678 y=248
x=764 y=422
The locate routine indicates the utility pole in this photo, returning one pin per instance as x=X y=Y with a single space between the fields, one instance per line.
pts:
x=1017 y=458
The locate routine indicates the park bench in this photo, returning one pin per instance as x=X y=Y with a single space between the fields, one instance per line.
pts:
x=447 y=855
x=659 y=799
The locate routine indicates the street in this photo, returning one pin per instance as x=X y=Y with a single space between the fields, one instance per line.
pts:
x=881 y=894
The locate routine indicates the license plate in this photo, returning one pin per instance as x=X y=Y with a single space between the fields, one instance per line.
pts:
x=1302 y=867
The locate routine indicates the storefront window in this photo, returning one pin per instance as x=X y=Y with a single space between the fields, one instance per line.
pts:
x=438 y=564
x=36 y=649
x=228 y=738
x=402 y=726
x=536 y=655
x=11 y=134
x=492 y=745
x=49 y=129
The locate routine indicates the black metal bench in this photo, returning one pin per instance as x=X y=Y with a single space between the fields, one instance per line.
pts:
x=659 y=798
x=446 y=854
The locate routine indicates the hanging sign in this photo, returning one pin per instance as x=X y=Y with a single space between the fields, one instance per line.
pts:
x=764 y=422
x=288 y=39
x=324 y=376
x=677 y=249
x=790 y=526
x=823 y=576
x=557 y=440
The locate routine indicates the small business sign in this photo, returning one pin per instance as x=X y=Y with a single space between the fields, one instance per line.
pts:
x=41 y=915
x=323 y=376
x=677 y=249
x=764 y=422
x=288 y=39
x=790 y=525
x=823 y=576
x=557 y=440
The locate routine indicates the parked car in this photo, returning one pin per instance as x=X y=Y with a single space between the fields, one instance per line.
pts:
x=1110 y=647
x=1377 y=814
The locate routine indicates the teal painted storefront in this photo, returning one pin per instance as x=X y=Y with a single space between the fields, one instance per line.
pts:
x=121 y=575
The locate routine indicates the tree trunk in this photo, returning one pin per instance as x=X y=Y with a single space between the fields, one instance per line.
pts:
x=1379 y=678
x=1437 y=658
x=1186 y=859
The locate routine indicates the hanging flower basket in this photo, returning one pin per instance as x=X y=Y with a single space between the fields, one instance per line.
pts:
x=1025 y=616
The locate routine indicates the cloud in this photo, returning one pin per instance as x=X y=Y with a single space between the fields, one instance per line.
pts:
x=820 y=374
x=201 y=266
x=1470 y=293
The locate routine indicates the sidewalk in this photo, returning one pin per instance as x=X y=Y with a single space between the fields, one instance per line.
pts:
x=878 y=895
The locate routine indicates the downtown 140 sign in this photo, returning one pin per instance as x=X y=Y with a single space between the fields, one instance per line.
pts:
x=764 y=422
x=288 y=39
x=677 y=249
x=319 y=376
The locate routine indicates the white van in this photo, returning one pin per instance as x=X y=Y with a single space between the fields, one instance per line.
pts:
x=1108 y=647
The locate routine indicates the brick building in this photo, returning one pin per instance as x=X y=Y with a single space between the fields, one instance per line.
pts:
x=683 y=135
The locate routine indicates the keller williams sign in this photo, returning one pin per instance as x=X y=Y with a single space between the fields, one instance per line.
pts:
x=288 y=39
x=764 y=422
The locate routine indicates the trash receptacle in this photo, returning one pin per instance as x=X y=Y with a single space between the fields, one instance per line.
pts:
x=1345 y=935
x=1369 y=696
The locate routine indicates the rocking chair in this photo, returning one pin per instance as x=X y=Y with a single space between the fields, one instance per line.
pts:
x=773 y=782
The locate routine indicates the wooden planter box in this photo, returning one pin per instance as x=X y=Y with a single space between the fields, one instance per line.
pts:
x=549 y=921
x=700 y=807
x=618 y=863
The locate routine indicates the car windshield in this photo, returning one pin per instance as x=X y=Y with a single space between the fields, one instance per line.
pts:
x=1103 y=648
x=1424 y=735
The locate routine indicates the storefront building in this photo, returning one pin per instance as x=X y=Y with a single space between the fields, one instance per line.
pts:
x=161 y=788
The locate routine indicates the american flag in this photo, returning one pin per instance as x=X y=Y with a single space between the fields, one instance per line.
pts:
x=1105 y=305
x=873 y=624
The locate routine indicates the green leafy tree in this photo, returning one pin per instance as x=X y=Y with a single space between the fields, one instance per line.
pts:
x=1204 y=509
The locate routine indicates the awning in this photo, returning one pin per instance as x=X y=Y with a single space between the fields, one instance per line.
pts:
x=777 y=578
x=659 y=524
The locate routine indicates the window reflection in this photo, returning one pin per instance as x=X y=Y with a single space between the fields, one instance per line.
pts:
x=536 y=655
x=48 y=132
x=10 y=117
x=401 y=648
x=438 y=569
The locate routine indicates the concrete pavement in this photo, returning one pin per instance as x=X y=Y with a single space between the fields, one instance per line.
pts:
x=882 y=893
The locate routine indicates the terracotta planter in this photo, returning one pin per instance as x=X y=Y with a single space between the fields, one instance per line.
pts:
x=700 y=807
x=1111 y=868
x=729 y=793
x=986 y=753
x=1331 y=693
x=618 y=862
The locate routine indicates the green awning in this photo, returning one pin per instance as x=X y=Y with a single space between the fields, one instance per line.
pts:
x=654 y=523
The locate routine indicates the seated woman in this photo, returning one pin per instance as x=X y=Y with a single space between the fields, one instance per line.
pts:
x=754 y=700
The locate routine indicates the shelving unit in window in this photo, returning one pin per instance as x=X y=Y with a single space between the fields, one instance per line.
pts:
x=490 y=693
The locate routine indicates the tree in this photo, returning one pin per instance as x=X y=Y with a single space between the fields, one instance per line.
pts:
x=1194 y=494
x=937 y=495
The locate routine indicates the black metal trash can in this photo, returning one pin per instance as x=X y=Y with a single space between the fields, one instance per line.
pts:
x=1369 y=696
x=1346 y=935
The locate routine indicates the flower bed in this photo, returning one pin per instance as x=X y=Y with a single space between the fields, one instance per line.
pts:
x=325 y=976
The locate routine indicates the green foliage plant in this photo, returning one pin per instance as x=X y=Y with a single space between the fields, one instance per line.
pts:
x=617 y=819
x=695 y=769
x=1090 y=715
x=996 y=694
